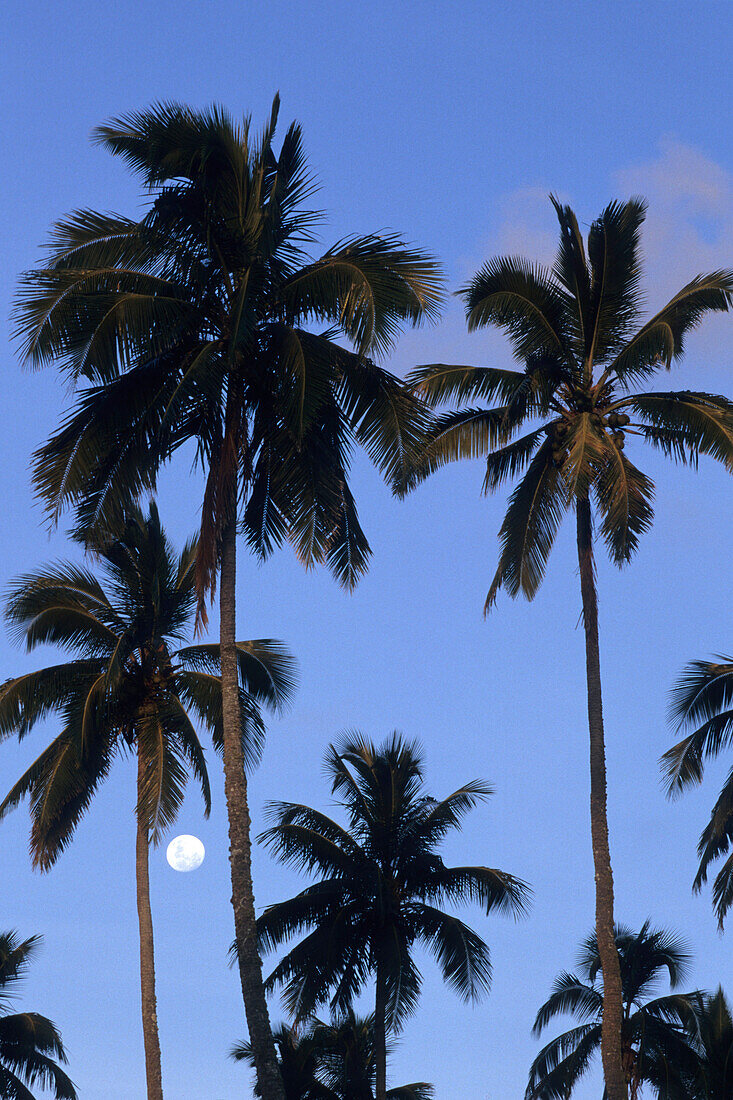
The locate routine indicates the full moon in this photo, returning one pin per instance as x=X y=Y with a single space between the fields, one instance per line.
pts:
x=185 y=853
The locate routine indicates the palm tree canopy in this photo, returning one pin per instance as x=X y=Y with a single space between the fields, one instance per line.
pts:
x=702 y=702
x=129 y=683
x=208 y=319
x=331 y=1061
x=575 y=329
x=656 y=1044
x=713 y=1037
x=380 y=885
x=30 y=1045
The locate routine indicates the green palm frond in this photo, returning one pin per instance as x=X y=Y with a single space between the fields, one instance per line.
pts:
x=570 y=995
x=700 y=423
x=615 y=269
x=661 y=339
x=561 y=1064
x=462 y=955
x=571 y=272
x=28 y=699
x=487 y=887
x=624 y=497
x=521 y=298
x=368 y=286
x=267 y=669
x=535 y=510
x=438 y=383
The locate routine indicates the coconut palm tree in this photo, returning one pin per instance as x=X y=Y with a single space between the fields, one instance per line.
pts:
x=348 y=1059
x=30 y=1045
x=713 y=1037
x=207 y=320
x=380 y=886
x=575 y=331
x=331 y=1061
x=656 y=1048
x=298 y=1059
x=129 y=688
x=702 y=702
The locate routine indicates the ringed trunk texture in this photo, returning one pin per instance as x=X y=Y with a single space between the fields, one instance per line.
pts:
x=380 y=1036
x=240 y=848
x=153 y=1072
x=611 y=1050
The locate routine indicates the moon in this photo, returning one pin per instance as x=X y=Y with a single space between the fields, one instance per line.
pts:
x=185 y=853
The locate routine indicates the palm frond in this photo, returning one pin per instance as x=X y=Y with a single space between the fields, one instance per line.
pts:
x=522 y=299
x=535 y=510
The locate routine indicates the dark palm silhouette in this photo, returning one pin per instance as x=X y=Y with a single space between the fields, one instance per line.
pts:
x=332 y=1061
x=130 y=688
x=208 y=321
x=702 y=701
x=30 y=1045
x=380 y=887
x=712 y=1035
x=575 y=331
x=656 y=1049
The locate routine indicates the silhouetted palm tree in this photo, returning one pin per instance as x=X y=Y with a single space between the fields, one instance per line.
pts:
x=713 y=1037
x=208 y=321
x=30 y=1045
x=128 y=689
x=574 y=331
x=655 y=1046
x=332 y=1061
x=703 y=700
x=381 y=886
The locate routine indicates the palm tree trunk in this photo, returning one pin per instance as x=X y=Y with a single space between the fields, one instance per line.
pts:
x=240 y=847
x=611 y=1052
x=380 y=1035
x=153 y=1072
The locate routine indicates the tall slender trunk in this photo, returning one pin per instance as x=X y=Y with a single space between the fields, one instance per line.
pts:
x=240 y=847
x=153 y=1073
x=380 y=1035
x=611 y=1052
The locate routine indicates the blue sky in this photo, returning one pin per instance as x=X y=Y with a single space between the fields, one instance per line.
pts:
x=450 y=123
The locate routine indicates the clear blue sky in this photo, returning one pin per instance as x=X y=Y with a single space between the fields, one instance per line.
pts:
x=449 y=123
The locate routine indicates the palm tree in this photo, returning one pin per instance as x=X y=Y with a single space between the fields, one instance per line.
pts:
x=348 y=1056
x=299 y=1060
x=574 y=330
x=382 y=882
x=702 y=700
x=713 y=1037
x=207 y=320
x=655 y=1044
x=128 y=688
x=332 y=1061
x=30 y=1045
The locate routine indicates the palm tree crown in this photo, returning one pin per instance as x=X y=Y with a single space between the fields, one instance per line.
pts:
x=574 y=330
x=381 y=882
x=30 y=1045
x=331 y=1061
x=130 y=684
x=656 y=1047
x=207 y=319
x=712 y=1036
